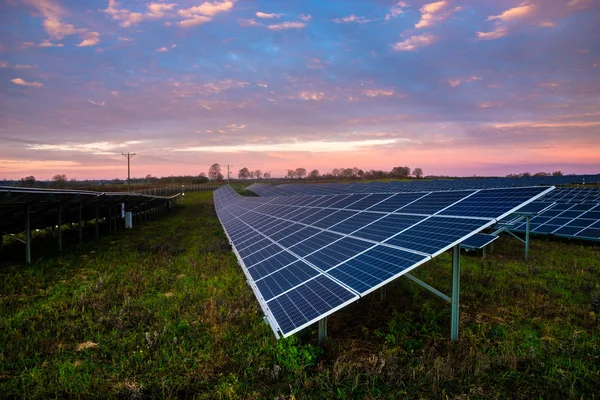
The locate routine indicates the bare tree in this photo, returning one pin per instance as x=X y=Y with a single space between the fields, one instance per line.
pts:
x=244 y=173
x=28 y=181
x=291 y=173
x=214 y=173
x=59 y=180
x=300 y=172
x=335 y=172
x=258 y=174
x=314 y=174
x=400 y=172
x=267 y=175
x=557 y=173
x=418 y=173
x=360 y=173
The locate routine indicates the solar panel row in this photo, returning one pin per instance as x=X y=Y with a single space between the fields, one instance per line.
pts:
x=307 y=256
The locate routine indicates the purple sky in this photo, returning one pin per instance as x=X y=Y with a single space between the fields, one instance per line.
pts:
x=471 y=87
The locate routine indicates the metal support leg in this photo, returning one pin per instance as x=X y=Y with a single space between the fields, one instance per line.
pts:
x=80 y=233
x=455 y=293
x=96 y=225
x=322 y=330
x=527 y=236
x=383 y=293
x=483 y=251
x=59 y=230
x=28 y=235
x=109 y=217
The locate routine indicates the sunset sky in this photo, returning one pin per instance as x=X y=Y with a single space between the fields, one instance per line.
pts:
x=457 y=87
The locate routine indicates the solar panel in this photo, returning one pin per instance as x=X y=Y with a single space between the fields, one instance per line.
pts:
x=478 y=241
x=306 y=259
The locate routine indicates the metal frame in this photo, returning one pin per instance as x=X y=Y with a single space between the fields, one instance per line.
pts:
x=525 y=241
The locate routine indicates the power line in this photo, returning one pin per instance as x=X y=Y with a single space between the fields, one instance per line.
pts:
x=129 y=157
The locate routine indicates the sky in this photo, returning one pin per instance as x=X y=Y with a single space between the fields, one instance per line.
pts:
x=465 y=87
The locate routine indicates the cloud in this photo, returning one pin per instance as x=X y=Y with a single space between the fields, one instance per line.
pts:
x=157 y=10
x=43 y=44
x=377 y=92
x=203 y=13
x=162 y=49
x=4 y=64
x=546 y=125
x=580 y=4
x=23 y=66
x=514 y=13
x=434 y=12
x=305 y=17
x=305 y=147
x=457 y=81
x=97 y=103
x=128 y=18
x=351 y=18
x=506 y=20
x=90 y=39
x=102 y=148
x=268 y=16
x=19 y=81
x=58 y=30
x=248 y=22
x=195 y=21
x=287 y=25
x=396 y=10
x=415 y=41
x=311 y=96
x=495 y=34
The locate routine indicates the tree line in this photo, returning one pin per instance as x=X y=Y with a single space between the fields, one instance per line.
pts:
x=336 y=173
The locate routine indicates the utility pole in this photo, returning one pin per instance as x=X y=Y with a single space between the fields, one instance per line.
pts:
x=228 y=173
x=129 y=156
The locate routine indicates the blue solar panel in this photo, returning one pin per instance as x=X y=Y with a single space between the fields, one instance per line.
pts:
x=434 y=202
x=367 y=202
x=308 y=302
x=271 y=264
x=285 y=278
x=346 y=245
x=387 y=226
x=436 y=233
x=395 y=202
x=356 y=222
x=375 y=266
x=491 y=203
x=338 y=252
x=478 y=241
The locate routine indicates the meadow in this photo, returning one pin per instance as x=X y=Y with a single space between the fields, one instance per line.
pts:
x=163 y=311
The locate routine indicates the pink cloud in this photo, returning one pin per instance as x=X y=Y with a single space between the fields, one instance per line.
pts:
x=287 y=25
x=268 y=16
x=415 y=42
x=22 y=82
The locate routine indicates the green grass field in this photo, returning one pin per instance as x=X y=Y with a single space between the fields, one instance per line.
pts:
x=163 y=311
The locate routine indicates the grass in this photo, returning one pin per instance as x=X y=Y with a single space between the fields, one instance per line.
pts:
x=163 y=311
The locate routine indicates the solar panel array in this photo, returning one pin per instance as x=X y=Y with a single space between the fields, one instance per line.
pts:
x=293 y=189
x=307 y=256
x=42 y=205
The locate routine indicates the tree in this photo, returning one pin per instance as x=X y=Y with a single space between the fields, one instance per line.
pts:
x=418 y=173
x=28 y=181
x=346 y=172
x=525 y=175
x=257 y=174
x=541 y=174
x=59 y=180
x=401 y=172
x=300 y=172
x=244 y=173
x=335 y=172
x=214 y=173
x=314 y=174
x=267 y=175
x=291 y=173
x=557 y=173
x=360 y=173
